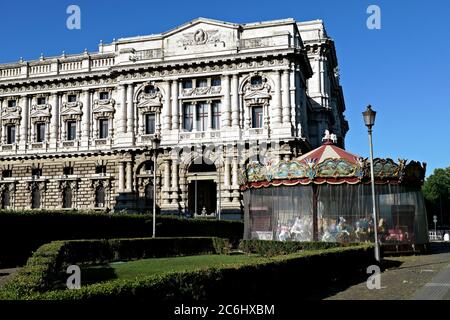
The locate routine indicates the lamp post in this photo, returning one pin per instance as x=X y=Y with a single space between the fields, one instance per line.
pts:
x=155 y=149
x=369 y=120
x=195 y=194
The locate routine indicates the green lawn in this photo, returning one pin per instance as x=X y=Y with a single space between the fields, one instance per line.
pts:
x=147 y=267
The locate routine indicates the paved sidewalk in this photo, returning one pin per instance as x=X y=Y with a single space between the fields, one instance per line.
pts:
x=407 y=277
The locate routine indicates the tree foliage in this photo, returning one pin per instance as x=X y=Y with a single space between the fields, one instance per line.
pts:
x=437 y=185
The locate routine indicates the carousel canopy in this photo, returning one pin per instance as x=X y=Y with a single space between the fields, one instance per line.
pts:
x=333 y=165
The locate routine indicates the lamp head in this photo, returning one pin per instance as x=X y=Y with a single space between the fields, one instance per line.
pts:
x=369 y=117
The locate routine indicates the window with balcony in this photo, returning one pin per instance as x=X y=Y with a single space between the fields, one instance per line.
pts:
x=104 y=95
x=36 y=172
x=11 y=134
x=103 y=128
x=72 y=98
x=35 y=198
x=100 y=197
x=41 y=100
x=202 y=116
x=256 y=80
x=68 y=171
x=12 y=103
x=188 y=116
x=101 y=169
x=67 y=198
x=257 y=117
x=7 y=173
x=71 y=130
x=202 y=83
x=216 y=115
x=215 y=81
x=40 y=132
x=150 y=123
x=187 y=84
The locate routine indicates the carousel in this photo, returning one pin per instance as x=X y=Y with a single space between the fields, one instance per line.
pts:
x=325 y=195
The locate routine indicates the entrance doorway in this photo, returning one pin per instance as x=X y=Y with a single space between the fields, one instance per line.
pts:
x=202 y=188
x=206 y=196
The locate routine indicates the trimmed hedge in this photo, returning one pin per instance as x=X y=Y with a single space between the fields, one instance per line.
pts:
x=283 y=278
x=22 y=232
x=275 y=248
x=45 y=269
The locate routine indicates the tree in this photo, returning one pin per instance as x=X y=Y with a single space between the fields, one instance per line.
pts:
x=436 y=191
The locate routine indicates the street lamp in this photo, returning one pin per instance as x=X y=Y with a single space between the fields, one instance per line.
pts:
x=369 y=120
x=155 y=149
x=195 y=194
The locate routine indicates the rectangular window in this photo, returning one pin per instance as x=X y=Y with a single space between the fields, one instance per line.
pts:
x=100 y=169
x=104 y=95
x=36 y=172
x=187 y=84
x=150 y=123
x=67 y=171
x=40 y=132
x=71 y=130
x=12 y=103
x=103 y=125
x=71 y=98
x=202 y=116
x=216 y=115
x=41 y=100
x=202 y=83
x=215 y=81
x=188 y=116
x=257 y=117
x=7 y=173
x=10 y=134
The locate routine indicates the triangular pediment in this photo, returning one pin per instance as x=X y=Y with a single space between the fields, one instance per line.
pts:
x=40 y=113
x=260 y=94
x=103 y=108
x=71 y=110
x=200 y=22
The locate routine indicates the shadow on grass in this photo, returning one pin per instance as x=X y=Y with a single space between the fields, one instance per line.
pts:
x=348 y=280
x=96 y=274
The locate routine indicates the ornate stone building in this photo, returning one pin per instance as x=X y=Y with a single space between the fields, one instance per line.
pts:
x=82 y=131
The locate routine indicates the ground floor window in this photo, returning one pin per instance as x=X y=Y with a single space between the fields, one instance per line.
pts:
x=100 y=197
x=6 y=199
x=67 y=197
x=35 y=198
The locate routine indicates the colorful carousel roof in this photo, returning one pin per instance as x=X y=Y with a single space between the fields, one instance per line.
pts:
x=333 y=165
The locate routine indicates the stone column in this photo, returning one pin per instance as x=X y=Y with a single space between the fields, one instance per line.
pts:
x=2 y=131
x=129 y=176
x=166 y=108
x=194 y=114
x=209 y=104
x=174 y=182
x=121 y=186
x=235 y=173
x=226 y=113
x=23 y=135
x=122 y=114
x=130 y=110
x=277 y=101
x=286 y=98
x=86 y=118
x=226 y=178
x=175 y=105
x=166 y=182
x=54 y=121
x=235 y=101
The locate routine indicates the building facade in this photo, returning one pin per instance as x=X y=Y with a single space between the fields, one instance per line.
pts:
x=83 y=131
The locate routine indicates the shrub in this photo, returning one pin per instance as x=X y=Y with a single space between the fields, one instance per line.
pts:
x=22 y=232
x=274 y=248
x=266 y=280
x=45 y=269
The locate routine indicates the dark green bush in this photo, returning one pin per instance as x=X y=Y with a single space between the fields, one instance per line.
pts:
x=284 y=278
x=22 y=232
x=274 y=248
x=45 y=269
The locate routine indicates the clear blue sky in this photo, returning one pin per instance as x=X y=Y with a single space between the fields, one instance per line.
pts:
x=403 y=70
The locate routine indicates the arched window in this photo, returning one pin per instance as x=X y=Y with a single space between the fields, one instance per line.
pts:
x=256 y=80
x=150 y=89
x=6 y=199
x=100 y=197
x=67 y=197
x=35 y=198
x=149 y=195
